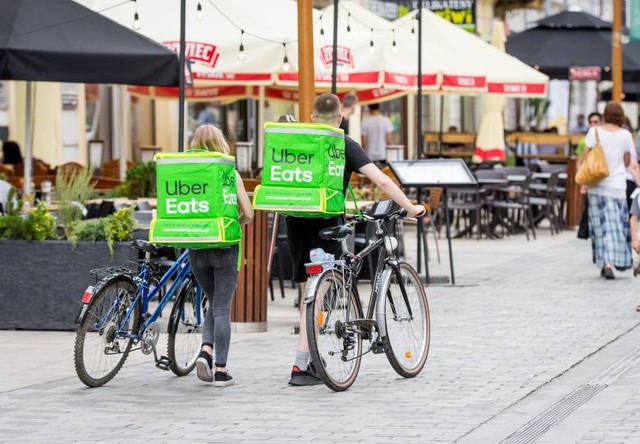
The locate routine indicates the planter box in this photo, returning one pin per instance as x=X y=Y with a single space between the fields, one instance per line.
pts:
x=42 y=281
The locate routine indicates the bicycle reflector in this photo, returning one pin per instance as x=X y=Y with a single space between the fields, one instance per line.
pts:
x=313 y=269
x=88 y=293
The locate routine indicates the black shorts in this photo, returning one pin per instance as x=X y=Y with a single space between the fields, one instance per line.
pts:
x=302 y=237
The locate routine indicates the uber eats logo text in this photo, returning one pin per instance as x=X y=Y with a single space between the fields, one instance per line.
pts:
x=229 y=197
x=179 y=188
x=284 y=157
x=338 y=154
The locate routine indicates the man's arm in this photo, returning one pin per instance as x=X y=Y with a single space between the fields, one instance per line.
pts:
x=391 y=189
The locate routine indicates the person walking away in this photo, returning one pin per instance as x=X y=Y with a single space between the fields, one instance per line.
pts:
x=216 y=271
x=608 y=212
x=348 y=108
x=376 y=134
x=302 y=233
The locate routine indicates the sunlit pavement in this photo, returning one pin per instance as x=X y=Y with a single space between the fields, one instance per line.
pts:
x=530 y=346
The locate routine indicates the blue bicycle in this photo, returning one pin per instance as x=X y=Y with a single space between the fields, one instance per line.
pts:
x=115 y=317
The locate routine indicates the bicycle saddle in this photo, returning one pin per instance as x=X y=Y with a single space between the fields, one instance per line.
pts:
x=140 y=244
x=336 y=233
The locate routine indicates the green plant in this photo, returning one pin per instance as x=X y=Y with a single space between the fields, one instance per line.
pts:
x=72 y=191
x=43 y=224
x=39 y=224
x=116 y=227
x=139 y=182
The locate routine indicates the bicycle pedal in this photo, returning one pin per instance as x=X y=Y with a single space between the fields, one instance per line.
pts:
x=163 y=363
x=378 y=347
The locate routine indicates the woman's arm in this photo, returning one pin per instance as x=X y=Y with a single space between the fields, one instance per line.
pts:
x=244 y=203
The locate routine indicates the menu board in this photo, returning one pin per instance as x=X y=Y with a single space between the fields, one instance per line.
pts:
x=433 y=173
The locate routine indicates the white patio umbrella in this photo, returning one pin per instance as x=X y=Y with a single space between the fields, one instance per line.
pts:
x=361 y=38
x=455 y=61
x=490 y=138
x=445 y=67
x=229 y=42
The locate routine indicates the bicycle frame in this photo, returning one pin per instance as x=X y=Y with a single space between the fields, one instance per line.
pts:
x=144 y=295
x=350 y=262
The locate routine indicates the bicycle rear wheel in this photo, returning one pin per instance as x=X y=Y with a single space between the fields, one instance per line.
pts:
x=103 y=339
x=335 y=351
x=185 y=327
x=406 y=320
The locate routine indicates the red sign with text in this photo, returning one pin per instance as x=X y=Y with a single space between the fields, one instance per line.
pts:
x=584 y=73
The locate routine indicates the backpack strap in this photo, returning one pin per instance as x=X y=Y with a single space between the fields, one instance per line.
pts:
x=355 y=201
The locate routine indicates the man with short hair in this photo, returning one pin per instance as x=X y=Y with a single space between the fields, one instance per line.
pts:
x=581 y=126
x=348 y=108
x=302 y=233
x=376 y=134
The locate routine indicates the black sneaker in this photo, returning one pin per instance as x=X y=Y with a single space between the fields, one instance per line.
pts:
x=300 y=378
x=223 y=379
x=203 y=367
x=608 y=273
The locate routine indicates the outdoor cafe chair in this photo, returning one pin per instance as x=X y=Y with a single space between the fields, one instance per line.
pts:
x=512 y=209
x=466 y=204
x=548 y=202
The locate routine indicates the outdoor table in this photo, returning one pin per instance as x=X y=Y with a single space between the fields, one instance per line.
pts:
x=546 y=176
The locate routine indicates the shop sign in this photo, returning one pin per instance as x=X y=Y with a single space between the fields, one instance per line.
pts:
x=584 y=73
x=634 y=20
x=344 y=56
x=458 y=12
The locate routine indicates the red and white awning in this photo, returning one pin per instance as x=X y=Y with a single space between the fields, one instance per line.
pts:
x=213 y=42
x=454 y=60
x=359 y=63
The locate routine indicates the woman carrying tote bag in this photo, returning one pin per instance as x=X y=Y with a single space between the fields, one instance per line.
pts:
x=608 y=213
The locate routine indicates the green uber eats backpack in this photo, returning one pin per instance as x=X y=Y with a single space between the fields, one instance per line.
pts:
x=197 y=201
x=303 y=170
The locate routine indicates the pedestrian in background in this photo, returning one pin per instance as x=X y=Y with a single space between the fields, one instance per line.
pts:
x=348 y=108
x=216 y=270
x=581 y=125
x=608 y=212
x=376 y=135
x=632 y=173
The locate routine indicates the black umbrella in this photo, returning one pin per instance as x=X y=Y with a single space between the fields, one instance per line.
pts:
x=570 y=39
x=631 y=92
x=62 y=41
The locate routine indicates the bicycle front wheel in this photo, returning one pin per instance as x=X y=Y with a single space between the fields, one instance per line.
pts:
x=104 y=337
x=406 y=320
x=335 y=350
x=185 y=328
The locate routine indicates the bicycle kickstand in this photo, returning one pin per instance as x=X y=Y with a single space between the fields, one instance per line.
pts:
x=163 y=362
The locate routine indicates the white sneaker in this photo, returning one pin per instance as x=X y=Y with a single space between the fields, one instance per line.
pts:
x=203 y=370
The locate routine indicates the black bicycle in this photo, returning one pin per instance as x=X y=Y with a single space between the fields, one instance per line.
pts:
x=397 y=321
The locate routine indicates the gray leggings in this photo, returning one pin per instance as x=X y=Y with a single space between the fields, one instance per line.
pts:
x=215 y=270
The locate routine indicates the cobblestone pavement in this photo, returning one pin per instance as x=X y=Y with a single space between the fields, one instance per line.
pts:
x=528 y=315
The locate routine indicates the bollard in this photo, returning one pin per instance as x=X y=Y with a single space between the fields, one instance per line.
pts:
x=249 y=307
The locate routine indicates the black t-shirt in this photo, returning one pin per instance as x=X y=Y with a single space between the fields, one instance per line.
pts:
x=344 y=125
x=355 y=158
